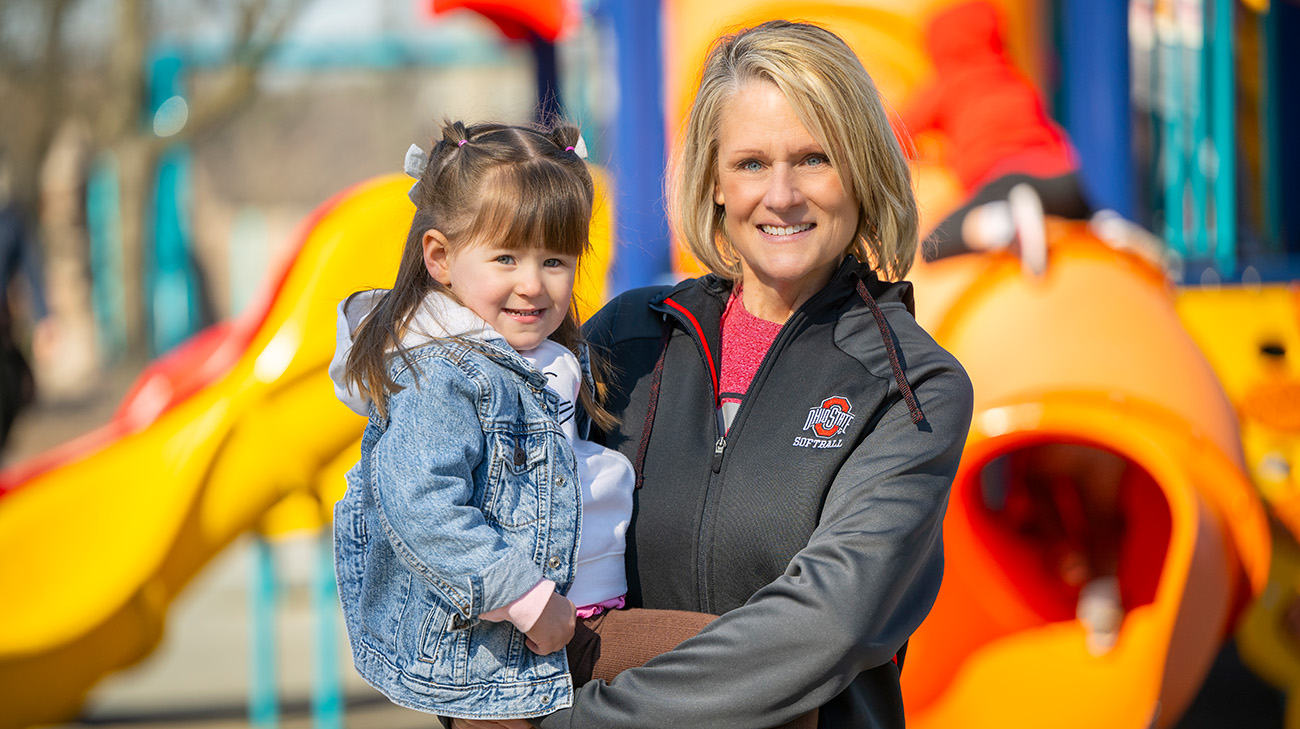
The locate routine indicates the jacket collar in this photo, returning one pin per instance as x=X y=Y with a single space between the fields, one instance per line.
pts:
x=708 y=294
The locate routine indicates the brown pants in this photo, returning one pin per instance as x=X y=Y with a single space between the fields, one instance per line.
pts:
x=607 y=644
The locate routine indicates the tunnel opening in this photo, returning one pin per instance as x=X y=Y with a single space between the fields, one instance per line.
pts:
x=1056 y=513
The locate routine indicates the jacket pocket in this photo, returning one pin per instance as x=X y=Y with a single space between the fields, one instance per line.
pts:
x=350 y=547
x=441 y=645
x=517 y=459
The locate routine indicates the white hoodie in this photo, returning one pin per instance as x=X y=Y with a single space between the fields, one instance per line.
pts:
x=606 y=476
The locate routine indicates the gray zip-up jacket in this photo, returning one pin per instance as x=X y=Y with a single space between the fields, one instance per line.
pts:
x=814 y=527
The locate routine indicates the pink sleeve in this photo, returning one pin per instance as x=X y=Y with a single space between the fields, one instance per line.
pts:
x=524 y=611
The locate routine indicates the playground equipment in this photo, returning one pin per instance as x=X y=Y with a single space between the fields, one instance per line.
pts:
x=1251 y=335
x=1058 y=359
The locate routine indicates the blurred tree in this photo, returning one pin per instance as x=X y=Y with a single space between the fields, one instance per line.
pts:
x=87 y=60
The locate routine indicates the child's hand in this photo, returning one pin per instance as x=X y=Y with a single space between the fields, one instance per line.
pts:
x=554 y=627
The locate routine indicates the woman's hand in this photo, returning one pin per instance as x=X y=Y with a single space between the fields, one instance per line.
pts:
x=554 y=628
x=490 y=724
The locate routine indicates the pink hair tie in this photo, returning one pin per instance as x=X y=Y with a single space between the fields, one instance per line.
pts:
x=569 y=148
x=461 y=143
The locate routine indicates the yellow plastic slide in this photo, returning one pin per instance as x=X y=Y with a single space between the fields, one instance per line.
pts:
x=102 y=534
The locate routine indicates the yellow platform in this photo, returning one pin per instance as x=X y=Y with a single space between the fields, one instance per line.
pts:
x=1251 y=335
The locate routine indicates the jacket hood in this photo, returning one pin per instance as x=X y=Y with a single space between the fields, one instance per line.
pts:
x=437 y=317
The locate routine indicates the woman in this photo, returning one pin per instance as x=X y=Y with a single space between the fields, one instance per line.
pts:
x=795 y=433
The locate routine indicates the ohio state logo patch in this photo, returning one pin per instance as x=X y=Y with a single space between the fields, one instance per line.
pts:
x=826 y=420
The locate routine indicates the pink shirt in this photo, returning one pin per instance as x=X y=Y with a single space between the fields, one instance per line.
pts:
x=745 y=341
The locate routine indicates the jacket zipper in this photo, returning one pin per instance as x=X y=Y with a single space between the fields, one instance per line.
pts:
x=693 y=329
x=782 y=338
x=696 y=332
x=778 y=344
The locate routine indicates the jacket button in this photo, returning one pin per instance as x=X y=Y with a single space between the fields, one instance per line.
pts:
x=559 y=481
x=519 y=456
x=545 y=700
x=554 y=562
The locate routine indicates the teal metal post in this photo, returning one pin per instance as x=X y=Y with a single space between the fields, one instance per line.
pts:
x=1225 y=139
x=1173 y=144
x=327 y=684
x=171 y=286
x=263 y=691
x=104 y=225
x=1201 y=149
x=1271 y=182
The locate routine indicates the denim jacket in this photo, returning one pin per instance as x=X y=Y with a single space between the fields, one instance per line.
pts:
x=466 y=495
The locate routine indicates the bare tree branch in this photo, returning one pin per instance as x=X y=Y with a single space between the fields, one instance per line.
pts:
x=251 y=50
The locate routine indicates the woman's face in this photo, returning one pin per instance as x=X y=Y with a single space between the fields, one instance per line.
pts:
x=787 y=213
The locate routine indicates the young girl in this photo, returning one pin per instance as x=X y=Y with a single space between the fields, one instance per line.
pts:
x=457 y=544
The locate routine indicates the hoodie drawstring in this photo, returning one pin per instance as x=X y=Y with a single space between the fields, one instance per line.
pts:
x=639 y=465
x=887 y=334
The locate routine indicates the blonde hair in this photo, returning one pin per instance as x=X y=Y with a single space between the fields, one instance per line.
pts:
x=515 y=186
x=836 y=100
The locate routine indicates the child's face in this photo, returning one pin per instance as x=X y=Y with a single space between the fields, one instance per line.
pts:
x=523 y=293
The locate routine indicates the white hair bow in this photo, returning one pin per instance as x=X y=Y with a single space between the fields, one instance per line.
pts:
x=414 y=164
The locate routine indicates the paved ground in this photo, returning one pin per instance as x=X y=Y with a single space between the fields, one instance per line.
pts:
x=199 y=677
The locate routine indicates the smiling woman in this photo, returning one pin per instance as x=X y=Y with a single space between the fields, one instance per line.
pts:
x=794 y=432
x=788 y=218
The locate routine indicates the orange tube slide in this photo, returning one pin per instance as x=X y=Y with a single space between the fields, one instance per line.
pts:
x=1093 y=353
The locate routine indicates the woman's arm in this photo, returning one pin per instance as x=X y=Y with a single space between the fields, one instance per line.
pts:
x=423 y=481
x=847 y=602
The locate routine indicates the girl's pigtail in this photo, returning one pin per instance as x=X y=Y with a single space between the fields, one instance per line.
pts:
x=366 y=365
x=569 y=145
x=568 y=138
x=379 y=335
x=455 y=134
x=565 y=136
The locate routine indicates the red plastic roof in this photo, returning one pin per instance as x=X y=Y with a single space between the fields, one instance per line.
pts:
x=515 y=18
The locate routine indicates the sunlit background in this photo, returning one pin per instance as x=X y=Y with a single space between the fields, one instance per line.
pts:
x=188 y=188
